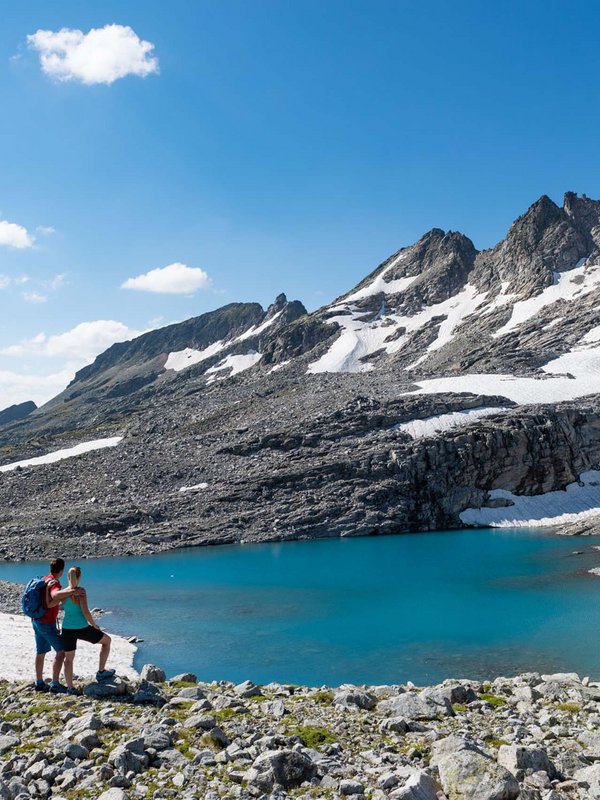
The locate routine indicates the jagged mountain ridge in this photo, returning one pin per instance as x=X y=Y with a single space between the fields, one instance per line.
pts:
x=446 y=373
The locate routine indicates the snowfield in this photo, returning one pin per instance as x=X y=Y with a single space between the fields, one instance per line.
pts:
x=234 y=363
x=360 y=338
x=422 y=428
x=181 y=359
x=576 y=502
x=59 y=455
x=574 y=283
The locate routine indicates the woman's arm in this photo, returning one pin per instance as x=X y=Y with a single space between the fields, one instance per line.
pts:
x=86 y=611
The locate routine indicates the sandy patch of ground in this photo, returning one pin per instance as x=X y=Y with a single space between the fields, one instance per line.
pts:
x=17 y=652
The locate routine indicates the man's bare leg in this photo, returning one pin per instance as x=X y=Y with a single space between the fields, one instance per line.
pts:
x=57 y=666
x=39 y=666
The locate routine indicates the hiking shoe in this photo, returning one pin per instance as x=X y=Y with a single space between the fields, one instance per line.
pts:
x=58 y=688
x=41 y=687
x=74 y=692
x=105 y=674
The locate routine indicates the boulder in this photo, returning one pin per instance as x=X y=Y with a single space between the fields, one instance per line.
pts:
x=113 y=794
x=157 y=737
x=126 y=760
x=419 y=786
x=411 y=705
x=247 y=689
x=356 y=698
x=288 y=768
x=470 y=775
x=149 y=693
x=191 y=693
x=7 y=742
x=115 y=687
x=516 y=758
x=185 y=677
x=204 y=721
x=349 y=788
x=152 y=673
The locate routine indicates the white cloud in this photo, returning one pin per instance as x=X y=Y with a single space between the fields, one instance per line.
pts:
x=20 y=279
x=17 y=387
x=4 y=281
x=46 y=230
x=16 y=236
x=74 y=348
x=173 y=279
x=34 y=297
x=83 y=342
x=103 y=55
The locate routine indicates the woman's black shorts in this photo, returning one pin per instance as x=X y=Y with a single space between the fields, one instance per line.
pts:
x=88 y=634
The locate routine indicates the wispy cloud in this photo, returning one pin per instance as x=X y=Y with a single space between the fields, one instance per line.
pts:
x=173 y=279
x=34 y=297
x=102 y=55
x=15 y=236
x=45 y=230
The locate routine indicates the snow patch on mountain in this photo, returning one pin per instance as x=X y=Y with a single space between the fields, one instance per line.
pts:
x=234 y=363
x=181 y=359
x=195 y=488
x=431 y=426
x=361 y=338
x=578 y=501
x=573 y=284
x=255 y=331
x=60 y=455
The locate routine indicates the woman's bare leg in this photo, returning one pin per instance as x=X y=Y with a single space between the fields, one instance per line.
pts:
x=104 y=651
x=69 y=658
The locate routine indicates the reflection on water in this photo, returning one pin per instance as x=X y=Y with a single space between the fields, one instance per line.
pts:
x=420 y=607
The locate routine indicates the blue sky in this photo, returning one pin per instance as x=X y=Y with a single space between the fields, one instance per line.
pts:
x=280 y=146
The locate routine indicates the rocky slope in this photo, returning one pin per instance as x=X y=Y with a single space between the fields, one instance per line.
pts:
x=531 y=737
x=444 y=378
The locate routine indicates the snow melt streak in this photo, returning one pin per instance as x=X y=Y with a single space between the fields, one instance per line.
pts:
x=60 y=455
x=552 y=508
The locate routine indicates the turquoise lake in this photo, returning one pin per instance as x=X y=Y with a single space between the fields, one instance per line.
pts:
x=418 y=607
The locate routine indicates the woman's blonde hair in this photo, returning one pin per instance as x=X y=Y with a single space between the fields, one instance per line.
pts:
x=74 y=576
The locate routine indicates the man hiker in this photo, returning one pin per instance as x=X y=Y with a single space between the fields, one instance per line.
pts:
x=47 y=635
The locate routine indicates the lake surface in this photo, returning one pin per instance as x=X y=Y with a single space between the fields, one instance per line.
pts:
x=418 y=607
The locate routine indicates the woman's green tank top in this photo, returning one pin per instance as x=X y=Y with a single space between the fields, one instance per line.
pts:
x=74 y=617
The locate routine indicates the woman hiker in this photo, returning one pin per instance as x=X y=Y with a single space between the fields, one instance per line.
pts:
x=78 y=623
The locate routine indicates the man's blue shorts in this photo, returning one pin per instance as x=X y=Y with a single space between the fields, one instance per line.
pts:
x=47 y=637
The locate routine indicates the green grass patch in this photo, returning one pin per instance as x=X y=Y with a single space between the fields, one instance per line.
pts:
x=322 y=698
x=492 y=699
x=493 y=741
x=313 y=736
x=459 y=708
x=224 y=714
x=569 y=708
x=182 y=684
